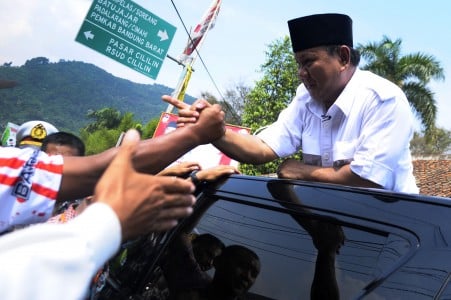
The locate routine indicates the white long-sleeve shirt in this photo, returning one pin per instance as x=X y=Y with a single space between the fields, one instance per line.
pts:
x=58 y=261
x=369 y=126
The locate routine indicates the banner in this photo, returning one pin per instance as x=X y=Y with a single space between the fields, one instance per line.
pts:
x=206 y=155
x=9 y=135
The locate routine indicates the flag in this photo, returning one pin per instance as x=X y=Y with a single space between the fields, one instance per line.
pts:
x=208 y=21
x=186 y=58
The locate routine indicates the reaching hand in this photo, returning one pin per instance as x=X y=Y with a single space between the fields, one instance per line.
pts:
x=187 y=113
x=143 y=203
x=214 y=173
x=180 y=169
x=206 y=120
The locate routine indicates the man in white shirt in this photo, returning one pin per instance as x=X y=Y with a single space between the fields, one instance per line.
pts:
x=353 y=126
x=57 y=261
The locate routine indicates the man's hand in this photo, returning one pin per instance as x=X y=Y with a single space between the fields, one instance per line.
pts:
x=143 y=203
x=180 y=169
x=207 y=120
x=293 y=169
x=216 y=172
x=187 y=113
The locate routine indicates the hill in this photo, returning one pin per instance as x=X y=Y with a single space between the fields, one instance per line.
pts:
x=62 y=93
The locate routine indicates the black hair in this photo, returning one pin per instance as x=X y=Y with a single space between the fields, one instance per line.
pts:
x=354 y=53
x=207 y=238
x=64 y=138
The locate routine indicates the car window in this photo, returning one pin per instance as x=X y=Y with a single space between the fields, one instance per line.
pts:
x=273 y=254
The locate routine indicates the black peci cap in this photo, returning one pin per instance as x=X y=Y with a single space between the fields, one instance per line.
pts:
x=320 y=30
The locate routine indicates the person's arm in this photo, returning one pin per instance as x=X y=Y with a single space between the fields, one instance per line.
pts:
x=243 y=148
x=80 y=174
x=294 y=169
x=50 y=261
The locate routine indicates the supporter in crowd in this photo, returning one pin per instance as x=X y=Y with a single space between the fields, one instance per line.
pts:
x=32 y=180
x=236 y=270
x=51 y=261
x=353 y=127
x=66 y=144
x=63 y=143
x=206 y=248
x=32 y=133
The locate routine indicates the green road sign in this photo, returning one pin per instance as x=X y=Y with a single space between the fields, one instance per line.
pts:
x=127 y=33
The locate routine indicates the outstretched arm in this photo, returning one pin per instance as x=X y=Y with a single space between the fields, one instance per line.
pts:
x=127 y=204
x=243 y=148
x=80 y=174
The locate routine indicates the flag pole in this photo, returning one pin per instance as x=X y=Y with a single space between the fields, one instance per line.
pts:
x=190 y=53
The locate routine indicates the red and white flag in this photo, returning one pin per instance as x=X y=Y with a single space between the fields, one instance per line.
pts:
x=207 y=23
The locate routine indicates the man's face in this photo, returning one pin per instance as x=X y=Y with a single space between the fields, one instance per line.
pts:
x=64 y=150
x=205 y=254
x=239 y=273
x=321 y=74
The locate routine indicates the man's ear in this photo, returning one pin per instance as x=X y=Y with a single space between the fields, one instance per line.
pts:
x=345 y=55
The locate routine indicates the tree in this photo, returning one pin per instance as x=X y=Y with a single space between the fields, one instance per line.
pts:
x=149 y=128
x=37 y=61
x=271 y=95
x=106 y=129
x=103 y=118
x=438 y=143
x=231 y=115
x=236 y=98
x=411 y=72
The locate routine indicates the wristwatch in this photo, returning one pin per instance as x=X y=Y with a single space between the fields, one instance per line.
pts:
x=194 y=178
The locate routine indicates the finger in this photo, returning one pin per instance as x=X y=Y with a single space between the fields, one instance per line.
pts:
x=127 y=148
x=163 y=225
x=175 y=213
x=181 y=201
x=183 y=120
x=174 y=185
x=175 y=102
x=200 y=104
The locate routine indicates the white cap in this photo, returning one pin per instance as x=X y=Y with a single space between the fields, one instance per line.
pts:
x=32 y=133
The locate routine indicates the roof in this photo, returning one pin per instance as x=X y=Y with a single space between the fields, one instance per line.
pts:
x=433 y=176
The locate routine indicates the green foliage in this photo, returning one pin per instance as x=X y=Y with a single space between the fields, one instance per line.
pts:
x=100 y=140
x=270 y=96
x=104 y=132
x=149 y=129
x=276 y=89
x=411 y=72
x=62 y=93
x=438 y=142
x=231 y=114
x=103 y=118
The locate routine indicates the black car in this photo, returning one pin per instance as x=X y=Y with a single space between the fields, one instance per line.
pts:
x=295 y=240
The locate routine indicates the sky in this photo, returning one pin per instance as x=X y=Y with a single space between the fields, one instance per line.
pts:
x=234 y=49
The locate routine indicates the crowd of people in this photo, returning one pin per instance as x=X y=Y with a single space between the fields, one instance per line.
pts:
x=352 y=126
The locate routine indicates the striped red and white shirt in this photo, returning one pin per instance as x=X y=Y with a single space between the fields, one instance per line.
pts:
x=29 y=184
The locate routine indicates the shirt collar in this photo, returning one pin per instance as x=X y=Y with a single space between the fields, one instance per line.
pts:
x=343 y=103
x=346 y=99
